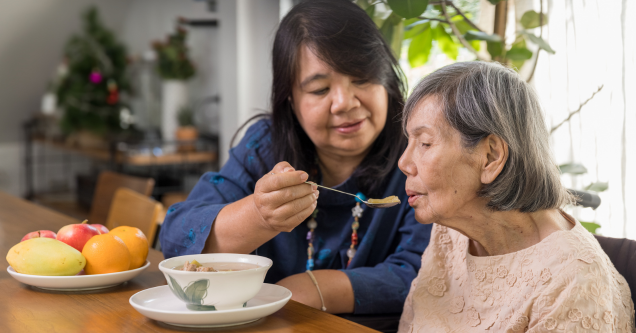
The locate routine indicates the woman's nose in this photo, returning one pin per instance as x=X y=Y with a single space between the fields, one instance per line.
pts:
x=344 y=99
x=406 y=162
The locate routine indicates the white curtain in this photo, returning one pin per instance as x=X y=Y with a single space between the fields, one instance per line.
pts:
x=595 y=44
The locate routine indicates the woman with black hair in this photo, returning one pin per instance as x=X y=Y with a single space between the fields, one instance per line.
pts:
x=336 y=101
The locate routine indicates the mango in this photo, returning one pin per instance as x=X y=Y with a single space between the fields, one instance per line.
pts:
x=45 y=256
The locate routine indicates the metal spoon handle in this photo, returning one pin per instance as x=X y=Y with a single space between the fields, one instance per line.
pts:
x=329 y=188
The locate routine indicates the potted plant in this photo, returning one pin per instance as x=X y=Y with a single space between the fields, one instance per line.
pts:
x=175 y=68
x=186 y=130
x=91 y=84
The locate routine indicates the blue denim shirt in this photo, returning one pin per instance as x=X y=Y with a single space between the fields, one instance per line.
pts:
x=391 y=241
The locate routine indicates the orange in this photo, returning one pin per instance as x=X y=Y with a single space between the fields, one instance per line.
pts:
x=106 y=254
x=137 y=244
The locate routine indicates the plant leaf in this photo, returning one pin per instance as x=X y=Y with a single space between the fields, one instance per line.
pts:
x=415 y=29
x=519 y=43
x=572 y=168
x=590 y=226
x=475 y=44
x=464 y=27
x=494 y=2
x=495 y=49
x=408 y=8
x=478 y=35
x=597 y=187
x=420 y=48
x=392 y=30
x=518 y=53
x=530 y=19
x=398 y=37
x=461 y=25
x=445 y=42
x=196 y=291
x=370 y=11
x=539 y=41
x=176 y=288
x=517 y=64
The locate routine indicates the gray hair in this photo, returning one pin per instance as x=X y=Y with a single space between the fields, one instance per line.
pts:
x=482 y=98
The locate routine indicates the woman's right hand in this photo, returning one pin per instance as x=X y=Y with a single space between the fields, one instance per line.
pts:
x=283 y=199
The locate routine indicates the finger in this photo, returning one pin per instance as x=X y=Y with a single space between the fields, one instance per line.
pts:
x=294 y=207
x=278 y=198
x=297 y=219
x=282 y=180
x=282 y=167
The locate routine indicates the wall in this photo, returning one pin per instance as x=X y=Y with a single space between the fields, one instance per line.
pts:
x=150 y=20
x=33 y=36
x=233 y=60
x=246 y=32
x=602 y=135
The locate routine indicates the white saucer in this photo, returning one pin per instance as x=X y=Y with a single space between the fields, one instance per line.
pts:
x=77 y=282
x=159 y=303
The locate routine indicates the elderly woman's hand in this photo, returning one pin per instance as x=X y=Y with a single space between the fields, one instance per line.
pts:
x=282 y=199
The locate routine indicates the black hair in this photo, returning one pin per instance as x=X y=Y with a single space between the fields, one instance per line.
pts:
x=345 y=38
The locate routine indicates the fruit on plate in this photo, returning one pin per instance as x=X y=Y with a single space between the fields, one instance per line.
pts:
x=38 y=234
x=102 y=229
x=76 y=235
x=136 y=242
x=45 y=256
x=106 y=253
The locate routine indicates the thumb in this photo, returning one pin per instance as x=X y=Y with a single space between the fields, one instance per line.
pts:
x=282 y=167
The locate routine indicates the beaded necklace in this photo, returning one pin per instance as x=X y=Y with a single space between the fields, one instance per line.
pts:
x=311 y=224
x=356 y=212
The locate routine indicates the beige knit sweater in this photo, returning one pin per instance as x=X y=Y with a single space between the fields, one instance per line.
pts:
x=565 y=283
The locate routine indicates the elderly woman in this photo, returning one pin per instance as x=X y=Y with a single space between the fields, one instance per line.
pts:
x=336 y=93
x=503 y=256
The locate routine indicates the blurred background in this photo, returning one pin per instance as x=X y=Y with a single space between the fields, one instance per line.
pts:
x=155 y=89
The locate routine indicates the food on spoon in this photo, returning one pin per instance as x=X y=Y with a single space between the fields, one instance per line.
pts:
x=76 y=235
x=391 y=199
x=195 y=266
x=38 y=234
x=136 y=242
x=106 y=254
x=45 y=256
x=102 y=229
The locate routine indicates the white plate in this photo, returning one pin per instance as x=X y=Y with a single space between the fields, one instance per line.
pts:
x=159 y=303
x=77 y=282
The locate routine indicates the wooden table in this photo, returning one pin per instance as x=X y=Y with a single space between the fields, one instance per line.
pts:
x=27 y=309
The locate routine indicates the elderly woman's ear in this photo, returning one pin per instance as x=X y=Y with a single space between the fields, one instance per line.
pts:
x=493 y=153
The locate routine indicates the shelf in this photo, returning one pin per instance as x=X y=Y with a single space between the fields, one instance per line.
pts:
x=148 y=159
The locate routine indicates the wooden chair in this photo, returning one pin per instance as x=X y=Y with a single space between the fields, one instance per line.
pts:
x=107 y=183
x=132 y=209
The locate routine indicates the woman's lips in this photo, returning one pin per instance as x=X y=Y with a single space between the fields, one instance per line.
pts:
x=413 y=198
x=349 y=128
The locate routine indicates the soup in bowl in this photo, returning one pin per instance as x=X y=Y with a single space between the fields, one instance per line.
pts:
x=215 y=281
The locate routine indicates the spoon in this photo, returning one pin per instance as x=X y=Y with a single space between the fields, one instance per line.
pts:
x=372 y=203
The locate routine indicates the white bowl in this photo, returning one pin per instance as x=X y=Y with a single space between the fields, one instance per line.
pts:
x=77 y=282
x=207 y=291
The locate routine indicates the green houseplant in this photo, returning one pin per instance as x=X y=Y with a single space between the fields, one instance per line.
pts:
x=448 y=24
x=175 y=68
x=423 y=22
x=90 y=92
x=186 y=130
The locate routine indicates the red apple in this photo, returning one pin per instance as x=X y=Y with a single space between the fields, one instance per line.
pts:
x=76 y=235
x=39 y=233
x=102 y=229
